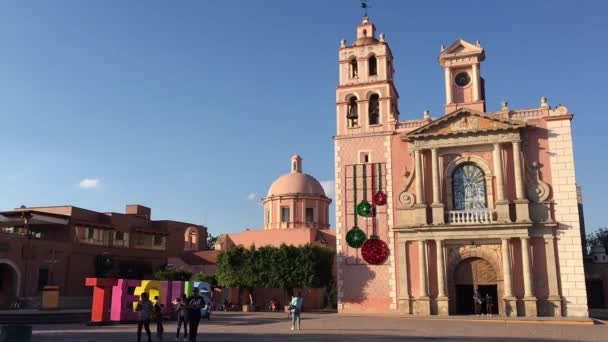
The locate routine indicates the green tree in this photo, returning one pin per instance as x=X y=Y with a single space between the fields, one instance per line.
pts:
x=207 y=278
x=211 y=240
x=286 y=267
x=172 y=273
x=598 y=238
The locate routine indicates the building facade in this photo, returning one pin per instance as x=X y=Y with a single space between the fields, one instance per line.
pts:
x=63 y=245
x=477 y=201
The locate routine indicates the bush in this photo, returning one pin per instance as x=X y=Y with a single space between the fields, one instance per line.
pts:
x=211 y=279
x=172 y=273
x=286 y=267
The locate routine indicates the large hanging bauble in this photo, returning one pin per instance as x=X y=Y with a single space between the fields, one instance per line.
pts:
x=355 y=237
x=374 y=251
x=379 y=198
x=364 y=209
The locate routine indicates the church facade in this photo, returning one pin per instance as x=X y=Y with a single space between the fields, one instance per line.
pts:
x=476 y=201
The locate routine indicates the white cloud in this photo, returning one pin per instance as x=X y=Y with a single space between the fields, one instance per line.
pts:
x=330 y=188
x=251 y=196
x=89 y=183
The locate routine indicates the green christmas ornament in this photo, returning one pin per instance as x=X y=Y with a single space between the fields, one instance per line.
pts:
x=355 y=237
x=364 y=209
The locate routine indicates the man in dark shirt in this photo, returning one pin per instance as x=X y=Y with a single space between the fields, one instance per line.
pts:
x=194 y=304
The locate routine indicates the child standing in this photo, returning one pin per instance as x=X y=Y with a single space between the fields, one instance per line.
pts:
x=144 y=308
x=182 y=316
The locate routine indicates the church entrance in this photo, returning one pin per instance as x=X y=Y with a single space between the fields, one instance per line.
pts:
x=475 y=274
x=8 y=285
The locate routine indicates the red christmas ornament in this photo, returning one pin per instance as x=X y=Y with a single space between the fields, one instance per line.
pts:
x=374 y=251
x=379 y=198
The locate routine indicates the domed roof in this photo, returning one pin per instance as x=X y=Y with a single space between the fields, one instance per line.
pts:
x=296 y=182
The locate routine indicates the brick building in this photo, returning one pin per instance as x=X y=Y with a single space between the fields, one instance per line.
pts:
x=63 y=245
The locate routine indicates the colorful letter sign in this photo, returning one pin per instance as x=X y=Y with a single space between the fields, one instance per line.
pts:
x=116 y=299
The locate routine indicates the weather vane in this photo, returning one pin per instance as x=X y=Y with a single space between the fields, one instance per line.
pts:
x=365 y=6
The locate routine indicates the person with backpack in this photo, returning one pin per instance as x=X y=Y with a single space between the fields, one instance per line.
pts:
x=144 y=309
x=295 y=308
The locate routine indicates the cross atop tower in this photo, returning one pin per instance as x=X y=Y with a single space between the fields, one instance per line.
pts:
x=365 y=6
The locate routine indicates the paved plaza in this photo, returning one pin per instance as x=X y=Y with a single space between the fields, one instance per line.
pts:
x=333 y=327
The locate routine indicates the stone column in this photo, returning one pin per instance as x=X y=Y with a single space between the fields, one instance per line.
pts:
x=442 y=299
x=423 y=303
x=509 y=301
x=502 y=205
x=475 y=77
x=554 y=300
x=404 y=289
x=420 y=207
x=437 y=207
x=521 y=203
x=529 y=299
x=448 y=86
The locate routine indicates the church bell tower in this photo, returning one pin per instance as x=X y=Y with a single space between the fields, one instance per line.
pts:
x=366 y=97
x=464 y=87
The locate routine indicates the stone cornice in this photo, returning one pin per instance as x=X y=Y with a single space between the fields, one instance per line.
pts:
x=362 y=135
x=559 y=117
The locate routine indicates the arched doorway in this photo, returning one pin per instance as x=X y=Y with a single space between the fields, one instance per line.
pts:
x=470 y=275
x=9 y=284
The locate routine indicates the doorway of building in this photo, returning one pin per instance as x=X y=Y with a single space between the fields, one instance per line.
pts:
x=470 y=275
x=8 y=285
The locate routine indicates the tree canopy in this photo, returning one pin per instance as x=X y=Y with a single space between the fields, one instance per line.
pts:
x=286 y=267
x=172 y=273
x=598 y=238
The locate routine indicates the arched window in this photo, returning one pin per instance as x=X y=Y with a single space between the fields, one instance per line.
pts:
x=469 y=188
x=374 y=109
x=353 y=68
x=373 y=66
x=352 y=113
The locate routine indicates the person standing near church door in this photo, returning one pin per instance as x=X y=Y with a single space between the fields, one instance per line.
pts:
x=477 y=303
x=489 y=304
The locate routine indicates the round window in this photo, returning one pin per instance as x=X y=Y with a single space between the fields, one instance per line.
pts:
x=462 y=79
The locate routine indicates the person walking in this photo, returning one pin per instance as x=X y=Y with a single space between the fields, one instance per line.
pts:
x=157 y=313
x=182 y=316
x=296 y=305
x=144 y=309
x=477 y=302
x=194 y=305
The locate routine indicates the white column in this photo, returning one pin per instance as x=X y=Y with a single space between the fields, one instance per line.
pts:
x=475 y=77
x=448 y=86
x=424 y=292
x=500 y=185
x=519 y=186
x=551 y=267
x=440 y=269
x=506 y=268
x=525 y=258
x=418 y=166
x=270 y=220
x=435 y=170
x=403 y=276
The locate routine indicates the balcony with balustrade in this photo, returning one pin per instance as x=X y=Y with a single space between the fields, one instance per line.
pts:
x=467 y=217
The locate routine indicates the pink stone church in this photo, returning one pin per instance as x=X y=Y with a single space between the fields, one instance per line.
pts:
x=478 y=202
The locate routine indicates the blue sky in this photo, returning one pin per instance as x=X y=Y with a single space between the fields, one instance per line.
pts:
x=194 y=107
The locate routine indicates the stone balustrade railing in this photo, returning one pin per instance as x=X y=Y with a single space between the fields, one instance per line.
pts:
x=469 y=216
x=526 y=114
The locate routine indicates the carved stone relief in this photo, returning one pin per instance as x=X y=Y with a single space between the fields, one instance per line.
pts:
x=407 y=199
x=538 y=191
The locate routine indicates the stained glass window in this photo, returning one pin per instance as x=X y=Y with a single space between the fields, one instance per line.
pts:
x=469 y=188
